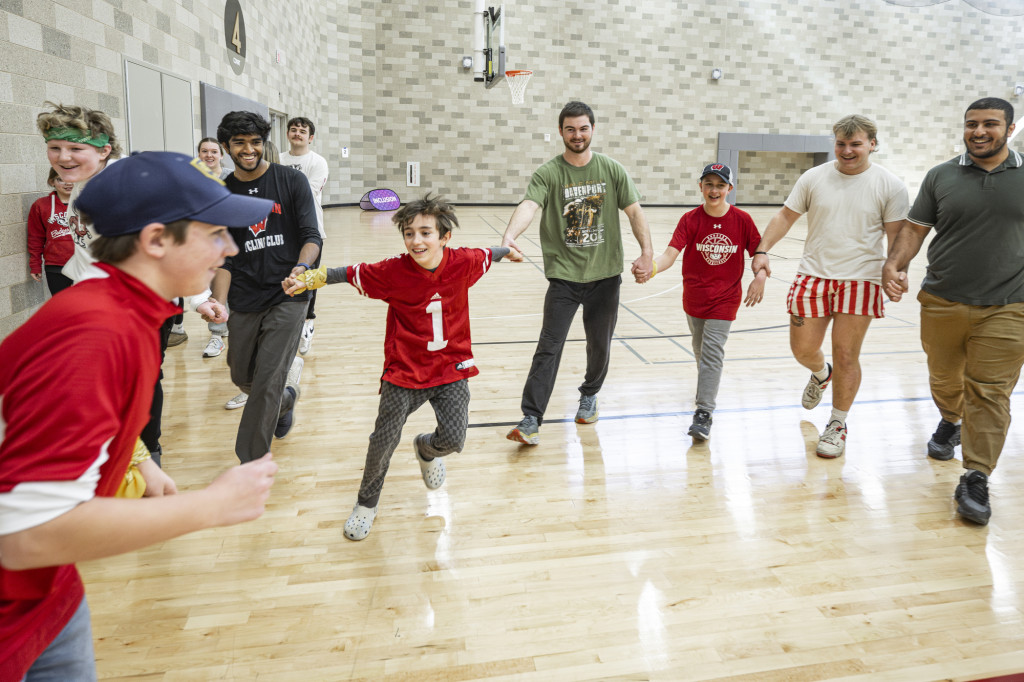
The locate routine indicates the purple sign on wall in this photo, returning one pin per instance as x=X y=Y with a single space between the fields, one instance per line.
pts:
x=380 y=200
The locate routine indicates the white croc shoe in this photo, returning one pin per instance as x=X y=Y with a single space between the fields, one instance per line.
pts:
x=433 y=471
x=360 y=522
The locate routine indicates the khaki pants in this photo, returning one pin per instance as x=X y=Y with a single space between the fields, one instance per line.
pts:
x=974 y=358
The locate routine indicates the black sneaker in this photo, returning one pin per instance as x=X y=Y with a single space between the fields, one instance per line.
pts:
x=972 y=497
x=700 y=429
x=945 y=438
x=285 y=421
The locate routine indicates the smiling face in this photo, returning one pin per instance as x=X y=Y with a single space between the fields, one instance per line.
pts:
x=986 y=133
x=853 y=153
x=246 y=151
x=210 y=154
x=576 y=133
x=715 y=191
x=63 y=189
x=75 y=161
x=194 y=262
x=423 y=242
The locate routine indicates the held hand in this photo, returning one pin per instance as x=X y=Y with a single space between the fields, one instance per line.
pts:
x=302 y=280
x=37 y=276
x=213 y=311
x=158 y=483
x=643 y=268
x=511 y=243
x=760 y=262
x=755 y=292
x=240 y=493
x=514 y=255
x=896 y=287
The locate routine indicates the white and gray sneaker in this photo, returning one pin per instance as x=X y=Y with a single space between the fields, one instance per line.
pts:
x=306 y=339
x=214 y=348
x=238 y=401
x=833 y=440
x=814 y=390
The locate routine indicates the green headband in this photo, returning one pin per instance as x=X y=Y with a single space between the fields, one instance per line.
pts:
x=76 y=135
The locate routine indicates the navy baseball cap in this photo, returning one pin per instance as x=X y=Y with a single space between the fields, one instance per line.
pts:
x=719 y=169
x=161 y=187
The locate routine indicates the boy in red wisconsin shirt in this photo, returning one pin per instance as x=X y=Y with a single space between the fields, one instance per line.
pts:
x=428 y=354
x=714 y=237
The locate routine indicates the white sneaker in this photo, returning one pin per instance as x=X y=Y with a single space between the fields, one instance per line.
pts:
x=214 y=348
x=306 y=340
x=359 y=522
x=295 y=375
x=237 y=402
x=833 y=440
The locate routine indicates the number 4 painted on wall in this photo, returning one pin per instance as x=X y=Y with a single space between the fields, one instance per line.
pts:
x=434 y=310
x=236 y=39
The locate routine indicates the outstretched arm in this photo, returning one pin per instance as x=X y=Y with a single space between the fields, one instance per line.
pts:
x=643 y=267
x=777 y=228
x=517 y=224
x=106 y=526
x=901 y=251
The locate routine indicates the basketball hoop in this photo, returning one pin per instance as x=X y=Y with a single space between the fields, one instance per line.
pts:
x=517 y=81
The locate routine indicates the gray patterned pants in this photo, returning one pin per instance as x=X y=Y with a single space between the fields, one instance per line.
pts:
x=451 y=407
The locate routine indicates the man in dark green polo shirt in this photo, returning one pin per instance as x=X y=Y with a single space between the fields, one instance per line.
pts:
x=972 y=296
x=579 y=193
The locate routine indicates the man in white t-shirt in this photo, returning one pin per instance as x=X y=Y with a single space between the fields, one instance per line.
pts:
x=851 y=204
x=314 y=167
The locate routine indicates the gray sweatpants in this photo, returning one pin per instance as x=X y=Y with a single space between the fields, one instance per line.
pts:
x=709 y=337
x=262 y=348
x=451 y=407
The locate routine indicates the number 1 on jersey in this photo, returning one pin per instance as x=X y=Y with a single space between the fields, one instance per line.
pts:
x=439 y=342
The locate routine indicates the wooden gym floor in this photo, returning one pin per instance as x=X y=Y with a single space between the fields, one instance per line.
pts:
x=614 y=551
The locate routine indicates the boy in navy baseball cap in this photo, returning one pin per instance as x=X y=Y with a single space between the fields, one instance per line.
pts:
x=93 y=351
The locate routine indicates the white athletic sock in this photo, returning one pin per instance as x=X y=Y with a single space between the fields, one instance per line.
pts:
x=838 y=416
x=177 y=329
x=821 y=374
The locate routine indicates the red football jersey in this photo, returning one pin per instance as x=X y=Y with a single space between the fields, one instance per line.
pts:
x=713 y=260
x=427 y=341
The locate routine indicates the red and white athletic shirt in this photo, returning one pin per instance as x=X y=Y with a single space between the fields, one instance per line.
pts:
x=427 y=341
x=76 y=382
x=713 y=260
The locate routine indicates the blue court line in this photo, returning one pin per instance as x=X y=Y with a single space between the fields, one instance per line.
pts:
x=687 y=413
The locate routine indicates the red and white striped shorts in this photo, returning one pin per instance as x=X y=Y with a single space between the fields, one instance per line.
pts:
x=812 y=296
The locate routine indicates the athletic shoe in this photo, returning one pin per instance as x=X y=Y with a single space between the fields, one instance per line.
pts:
x=526 y=431
x=306 y=340
x=833 y=440
x=359 y=522
x=945 y=438
x=814 y=390
x=177 y=338
x=587 y=414
x=700 y=429
x=294 y=375
x=237 y=402
x=972 y=497
x=214 y=348
x=432 y=471
x=286 y=420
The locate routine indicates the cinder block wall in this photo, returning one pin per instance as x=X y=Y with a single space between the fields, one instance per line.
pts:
x=383 y=79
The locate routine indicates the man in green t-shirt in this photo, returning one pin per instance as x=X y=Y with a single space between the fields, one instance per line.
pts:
x=972 y=296
x=579 y=193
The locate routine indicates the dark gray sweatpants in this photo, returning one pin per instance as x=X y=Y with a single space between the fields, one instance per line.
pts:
x=261 y=349
x=451 y=407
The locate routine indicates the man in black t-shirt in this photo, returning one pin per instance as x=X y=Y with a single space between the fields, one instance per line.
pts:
x=264 y=324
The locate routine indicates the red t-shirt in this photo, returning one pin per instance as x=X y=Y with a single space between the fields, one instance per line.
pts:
x=427 y=340
x=76 y=382
x=713 y=260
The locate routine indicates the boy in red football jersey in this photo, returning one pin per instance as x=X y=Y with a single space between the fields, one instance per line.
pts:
x=427 y=348
x=714 y=237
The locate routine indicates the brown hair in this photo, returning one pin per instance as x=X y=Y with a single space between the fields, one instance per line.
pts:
x=117 y=249
x=443 y=212
x=848 y=126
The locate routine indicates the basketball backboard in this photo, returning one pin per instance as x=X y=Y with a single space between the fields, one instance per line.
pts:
x=494 y=48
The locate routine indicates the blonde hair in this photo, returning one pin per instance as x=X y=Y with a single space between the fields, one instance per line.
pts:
x=81 y=118
x=848 y=126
